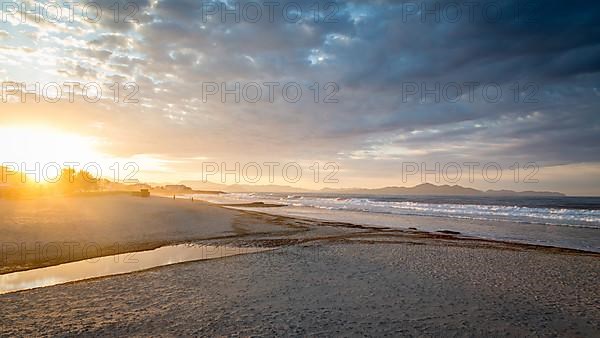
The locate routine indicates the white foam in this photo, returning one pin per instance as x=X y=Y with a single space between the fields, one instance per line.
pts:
x=548 y=216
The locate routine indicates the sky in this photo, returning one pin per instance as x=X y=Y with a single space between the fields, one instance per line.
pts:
x=363 y=90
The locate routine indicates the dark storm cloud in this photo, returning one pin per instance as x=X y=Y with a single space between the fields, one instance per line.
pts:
x=372 y=50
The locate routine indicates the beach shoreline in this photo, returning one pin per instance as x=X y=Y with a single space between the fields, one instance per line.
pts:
x=327 y=278
x=290 y=225
x=258 y=216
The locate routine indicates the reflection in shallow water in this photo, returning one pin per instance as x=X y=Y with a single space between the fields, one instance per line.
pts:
x=114 y=265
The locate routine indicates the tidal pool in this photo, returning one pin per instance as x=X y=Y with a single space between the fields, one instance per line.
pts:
x=115 y=265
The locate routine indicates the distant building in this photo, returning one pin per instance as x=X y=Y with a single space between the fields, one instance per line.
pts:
x=141 y=193
x=177 y=187
x=139 y=186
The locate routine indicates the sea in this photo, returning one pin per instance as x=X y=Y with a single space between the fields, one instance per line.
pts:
x=568 y=222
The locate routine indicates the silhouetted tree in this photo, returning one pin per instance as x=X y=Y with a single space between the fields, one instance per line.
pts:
x=85 y=181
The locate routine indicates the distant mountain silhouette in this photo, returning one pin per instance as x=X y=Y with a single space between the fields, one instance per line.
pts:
x=432 y=189
x=421 y=189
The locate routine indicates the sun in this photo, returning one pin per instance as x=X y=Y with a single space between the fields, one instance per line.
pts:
x=40 y=145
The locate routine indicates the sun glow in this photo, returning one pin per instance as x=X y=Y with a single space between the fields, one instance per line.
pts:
x=29 y=145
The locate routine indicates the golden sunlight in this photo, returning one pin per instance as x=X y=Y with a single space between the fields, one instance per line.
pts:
x=41 y=144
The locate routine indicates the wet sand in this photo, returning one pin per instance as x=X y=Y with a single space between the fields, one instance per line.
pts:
x=329 y=289
x=45 y=231
x=327 y=278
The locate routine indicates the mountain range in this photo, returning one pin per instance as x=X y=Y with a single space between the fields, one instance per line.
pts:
x=421 y=189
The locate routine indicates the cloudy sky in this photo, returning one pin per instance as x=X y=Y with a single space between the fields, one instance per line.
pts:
x=498 y=81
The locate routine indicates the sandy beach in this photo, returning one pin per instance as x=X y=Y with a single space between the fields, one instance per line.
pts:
x=323 y=278
x=47 y=231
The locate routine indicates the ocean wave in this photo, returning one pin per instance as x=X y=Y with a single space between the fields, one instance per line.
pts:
x=586 y=218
